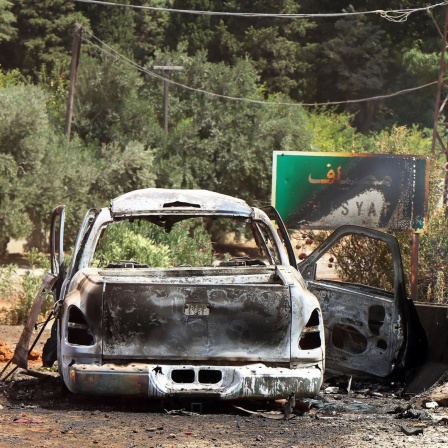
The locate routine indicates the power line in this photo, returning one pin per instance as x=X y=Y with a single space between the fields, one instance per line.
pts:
x=114 y=53
x=396 y=15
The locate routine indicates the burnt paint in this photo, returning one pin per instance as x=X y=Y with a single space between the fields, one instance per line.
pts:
x=351 y=344
x=250 y=323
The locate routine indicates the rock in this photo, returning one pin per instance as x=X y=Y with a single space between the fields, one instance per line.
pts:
x=440 y=395
x=331 y=390
x=431 y=405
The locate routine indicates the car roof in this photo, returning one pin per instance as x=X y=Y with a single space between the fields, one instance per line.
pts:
x=150 y=201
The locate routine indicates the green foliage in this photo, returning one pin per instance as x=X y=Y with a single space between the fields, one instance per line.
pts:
x=13 y=221
x=7 y=21
x=20 y=290
x=333 y=132
x=150 y=28
x=215 y=143
x=37 y=259
x=109 y=105
x=122 y=170
x=10 y=78
x=188 y=243
x=115 y=25
x=56 y=85
x=23 y=125
x=44 y=35
x=146 y=243
x=433 y=260
x=416 y=68
x=356 y=64
x=24 y=130
x=401 y=140
x=276 y=46
x=122 y=243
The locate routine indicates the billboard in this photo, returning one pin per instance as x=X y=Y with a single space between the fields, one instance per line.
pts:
x=325 y=190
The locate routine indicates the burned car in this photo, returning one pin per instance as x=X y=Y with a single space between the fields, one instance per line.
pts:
x=152 y=304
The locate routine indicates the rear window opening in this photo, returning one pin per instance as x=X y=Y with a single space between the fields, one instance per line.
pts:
x=167 y=241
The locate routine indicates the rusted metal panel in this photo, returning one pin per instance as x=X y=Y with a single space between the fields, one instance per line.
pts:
x=197 y=322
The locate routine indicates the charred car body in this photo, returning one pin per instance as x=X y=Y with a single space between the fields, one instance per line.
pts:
x=236 y=328
x=246 y=327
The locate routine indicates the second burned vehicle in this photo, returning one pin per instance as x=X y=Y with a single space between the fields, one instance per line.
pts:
x=152 y=305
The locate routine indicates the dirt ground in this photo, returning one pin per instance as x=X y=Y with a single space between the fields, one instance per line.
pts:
x=40 y=412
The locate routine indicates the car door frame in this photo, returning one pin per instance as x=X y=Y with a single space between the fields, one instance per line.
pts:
x=399 y=319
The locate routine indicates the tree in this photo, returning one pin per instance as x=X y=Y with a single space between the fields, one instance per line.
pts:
x=112 y=24
x=109 y=104
x=122 y=169
x=417 y=68
x=224 y=145
x=334 y=132
x=355 y=66
x=13 y=221
x=150 y=28
x=23 y=139
x=44 y=35
x=7 y=20
x=277 y=47
x=39 y=168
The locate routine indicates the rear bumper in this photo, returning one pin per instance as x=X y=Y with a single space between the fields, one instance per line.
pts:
x=223 y=382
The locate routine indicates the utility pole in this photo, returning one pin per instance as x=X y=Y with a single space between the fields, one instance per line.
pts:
x=165 y=72
x=76 y=51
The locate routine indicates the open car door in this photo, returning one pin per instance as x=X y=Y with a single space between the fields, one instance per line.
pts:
x=371 y=327
x=51 y=282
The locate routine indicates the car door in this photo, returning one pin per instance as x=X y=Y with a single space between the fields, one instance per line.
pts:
x=370 y=324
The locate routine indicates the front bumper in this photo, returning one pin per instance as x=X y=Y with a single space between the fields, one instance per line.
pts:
x=255 y=381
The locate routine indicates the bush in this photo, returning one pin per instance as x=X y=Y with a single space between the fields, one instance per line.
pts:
x=433 y=260
x=20 y=290
x=147 y=243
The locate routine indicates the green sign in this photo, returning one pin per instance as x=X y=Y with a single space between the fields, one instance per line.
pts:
x=326 y=190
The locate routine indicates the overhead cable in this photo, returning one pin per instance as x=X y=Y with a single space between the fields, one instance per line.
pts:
x=115 y=54
x=396 y=15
